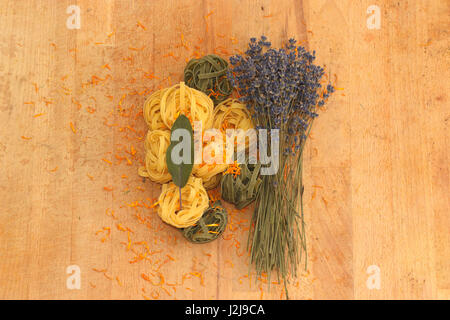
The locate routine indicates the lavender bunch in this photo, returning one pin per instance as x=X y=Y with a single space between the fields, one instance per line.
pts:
x=282 y=89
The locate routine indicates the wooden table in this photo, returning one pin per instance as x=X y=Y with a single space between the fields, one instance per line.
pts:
x=377 y=163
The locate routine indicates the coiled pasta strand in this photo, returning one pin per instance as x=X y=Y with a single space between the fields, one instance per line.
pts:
x=194 y=104
x=231 y=114
x=155 y=145
x=152 y=111
x=209 y=75
x=194 y=198
x=210 y=226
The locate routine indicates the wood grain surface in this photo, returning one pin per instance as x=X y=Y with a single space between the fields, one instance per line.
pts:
x=377 y=164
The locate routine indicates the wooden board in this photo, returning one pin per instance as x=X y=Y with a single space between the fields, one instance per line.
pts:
x=377 y=164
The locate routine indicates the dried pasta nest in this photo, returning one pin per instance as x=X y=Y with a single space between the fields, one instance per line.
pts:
x=155 y=145
x=209 y=227
x=152 y=111
x=210 y=172
x=231 y=114
x=194 y=201
x=196 y=105
x=209 y=75
x=212 y=182
x=242 y=186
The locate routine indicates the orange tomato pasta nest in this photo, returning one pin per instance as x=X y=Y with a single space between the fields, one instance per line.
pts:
x=194 y=202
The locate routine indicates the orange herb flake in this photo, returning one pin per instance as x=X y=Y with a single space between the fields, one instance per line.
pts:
x=139 y=24
x=72 y=127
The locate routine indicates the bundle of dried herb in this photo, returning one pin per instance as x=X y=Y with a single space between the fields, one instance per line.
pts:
x=282 y=89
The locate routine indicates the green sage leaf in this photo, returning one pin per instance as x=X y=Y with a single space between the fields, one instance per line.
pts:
x=180 y=164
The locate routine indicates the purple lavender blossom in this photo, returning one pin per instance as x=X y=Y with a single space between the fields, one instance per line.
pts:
x=281 y=87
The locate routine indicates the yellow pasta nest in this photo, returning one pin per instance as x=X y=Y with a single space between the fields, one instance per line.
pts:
x=155 y=145
x=212 y=182
x=208 y=170
x=194 y=202
x=152 y=111
x=231 y=114
x=180 y=99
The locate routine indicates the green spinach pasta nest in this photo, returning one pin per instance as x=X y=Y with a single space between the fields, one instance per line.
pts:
x=210 y=226
x=209 y=75
x=240 y=184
